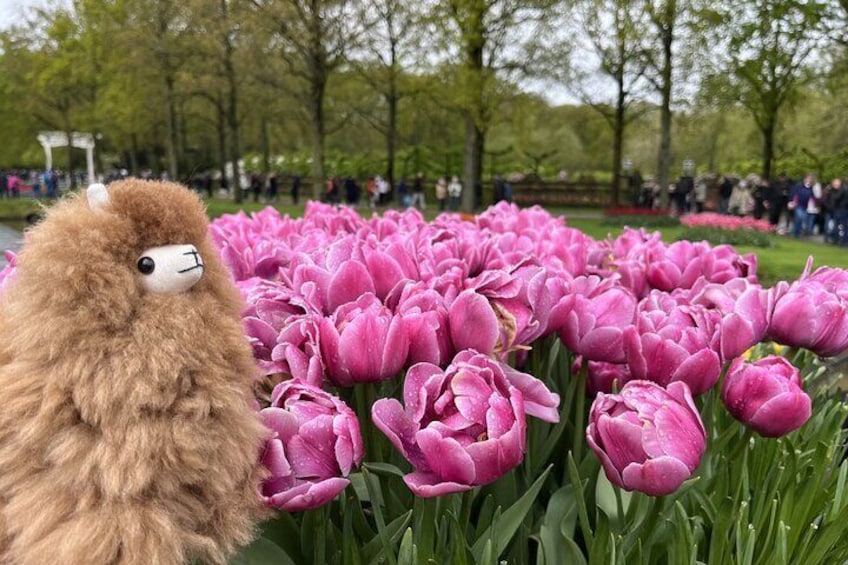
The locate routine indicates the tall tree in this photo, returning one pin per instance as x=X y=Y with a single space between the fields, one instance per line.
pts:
x=391 y=46
x=489 y=37
x=311 y=38
x=768 y=44
x=664 y=16
x=615 y=31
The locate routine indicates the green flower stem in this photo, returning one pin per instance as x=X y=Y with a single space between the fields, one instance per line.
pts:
x=579 y=432
x=320 y=541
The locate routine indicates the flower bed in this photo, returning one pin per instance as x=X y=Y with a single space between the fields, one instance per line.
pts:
x=718 y=236
x=725 y=222
x=427 y=383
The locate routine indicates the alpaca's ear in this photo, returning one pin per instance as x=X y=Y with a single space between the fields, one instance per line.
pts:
x=97 y=196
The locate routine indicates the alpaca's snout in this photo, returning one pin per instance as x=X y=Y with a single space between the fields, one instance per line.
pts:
x=170 y=269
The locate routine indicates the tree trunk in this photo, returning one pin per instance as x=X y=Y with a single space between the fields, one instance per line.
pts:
x=266 y=146
x=133 y=154
x=222 y=141
x=232 y=122
x=171 y=127
x=473 y=167
x=391 y=135
x=664 y=166
x=232 y=107
x=618 y=141
x=319 y=130
x=768 y=146
x=69 y=131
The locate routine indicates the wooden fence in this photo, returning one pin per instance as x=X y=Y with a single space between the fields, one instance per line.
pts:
x=559 y=193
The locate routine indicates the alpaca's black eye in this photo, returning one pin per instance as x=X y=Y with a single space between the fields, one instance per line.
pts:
x=146 y=265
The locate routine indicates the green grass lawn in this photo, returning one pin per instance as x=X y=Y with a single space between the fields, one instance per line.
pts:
x=784 y=260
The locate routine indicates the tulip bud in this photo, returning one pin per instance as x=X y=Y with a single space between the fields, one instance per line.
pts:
x=648 y=438
x=766 y=396
x=314 y=446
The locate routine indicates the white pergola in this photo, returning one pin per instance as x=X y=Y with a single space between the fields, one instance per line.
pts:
x=51 y=139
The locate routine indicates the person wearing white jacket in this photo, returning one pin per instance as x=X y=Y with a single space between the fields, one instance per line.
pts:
x=454 y=193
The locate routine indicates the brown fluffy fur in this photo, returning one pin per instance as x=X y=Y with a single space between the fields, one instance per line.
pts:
x=126 y=433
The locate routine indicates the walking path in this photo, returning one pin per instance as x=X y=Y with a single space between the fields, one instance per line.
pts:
x=9 y=239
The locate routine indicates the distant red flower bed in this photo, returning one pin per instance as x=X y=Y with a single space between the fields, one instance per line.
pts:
x=724 y=222
x=635 y=212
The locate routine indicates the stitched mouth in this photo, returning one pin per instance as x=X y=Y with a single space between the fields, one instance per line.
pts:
x=198 y=266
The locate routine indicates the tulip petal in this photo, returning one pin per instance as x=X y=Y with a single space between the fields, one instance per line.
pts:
x=621 y=441
x=782 y=414
x=656 y=477
x=473 y=323
x=446 y=458
x=389 y=417
x=308 y=495
x=539 y=401
x=351 y=281
x=428 y=485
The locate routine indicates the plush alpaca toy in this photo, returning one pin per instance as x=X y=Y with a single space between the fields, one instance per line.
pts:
x=127 y=434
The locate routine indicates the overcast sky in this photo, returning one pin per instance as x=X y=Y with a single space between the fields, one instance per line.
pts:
x=11 y=10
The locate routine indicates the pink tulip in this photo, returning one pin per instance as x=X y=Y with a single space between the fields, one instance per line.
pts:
x=363 y=342
x=807 y=314
x=766 y=396
x=648 y=438
x=426 y=319
x=682 y=263
x=602 y=377
x=297 y=352
x=725 y=222
x=600 y=311
x=745 y=309
x=521 y=301
x=315 y=444
x=670 y=342
x=463 y=426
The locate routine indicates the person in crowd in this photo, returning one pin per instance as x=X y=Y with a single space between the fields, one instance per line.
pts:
x=507 y=192
x=371 y=190
x=256 y=186
x=383 y=191
x=829 y=207
x=404 y=199
x=815 y=218
x=454 y=193
x=442 y=193
x=207 y=184
x=683 y=189
x=197 y=182
x=799 y=202
x=759 y=194
x=725 y=191
x=295 y=188
x=777 y=197
x=700 y=194
x=273 y=187
x=418 y=192
x=14 y=183
x=351 y=191
x=4 y=185
x=634 y=181
x=741 y=202
x=497 y=189
x=36 y=186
